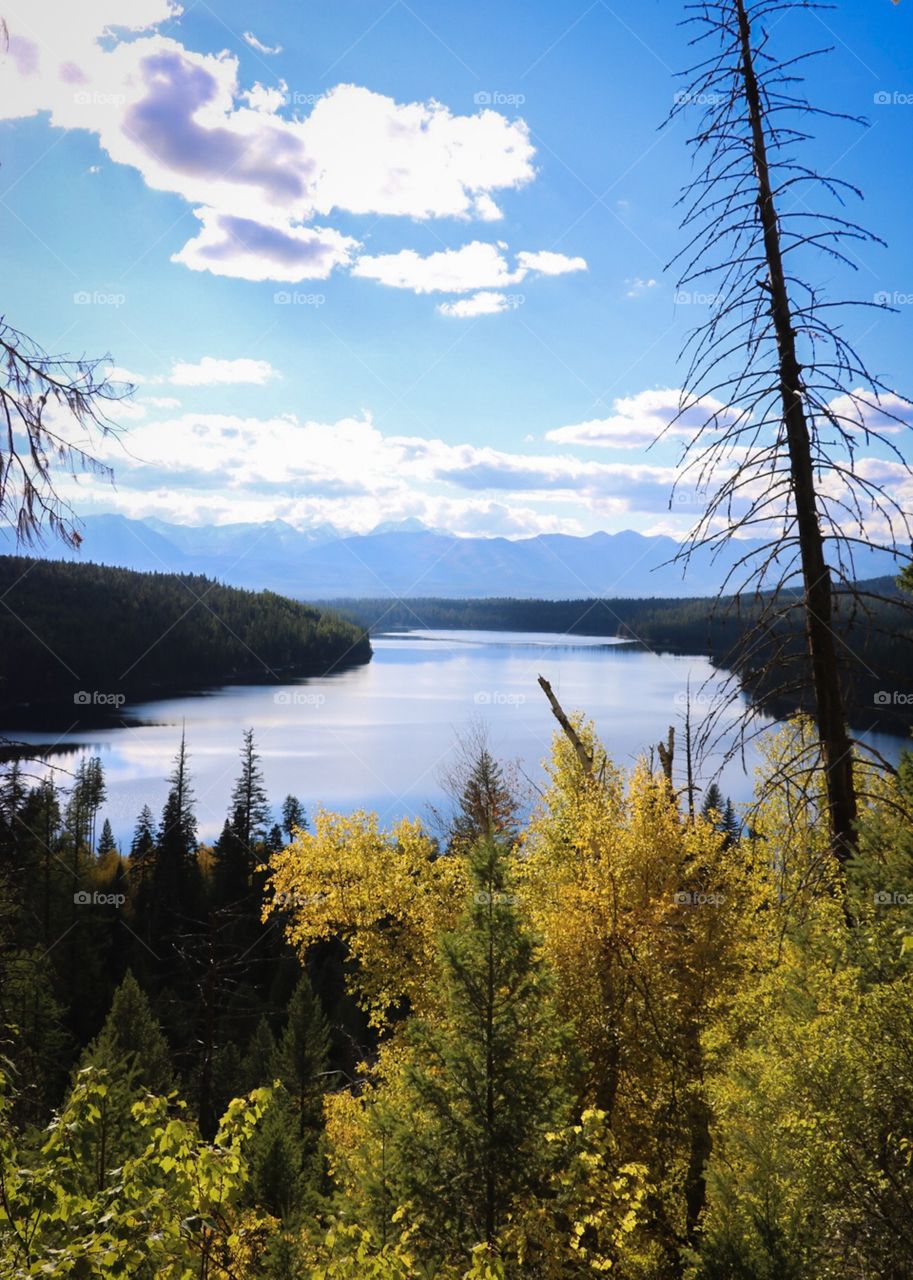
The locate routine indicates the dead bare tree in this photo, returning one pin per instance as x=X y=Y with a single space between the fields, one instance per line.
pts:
x=53 y=413
x=787 y=398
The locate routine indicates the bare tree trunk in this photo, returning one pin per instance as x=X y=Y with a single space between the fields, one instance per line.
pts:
x=829 y=709
x=584 y=756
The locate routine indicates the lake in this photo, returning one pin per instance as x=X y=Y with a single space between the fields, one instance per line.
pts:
x=378 y=736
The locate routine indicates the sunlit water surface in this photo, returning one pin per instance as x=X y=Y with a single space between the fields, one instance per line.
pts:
x=379 y=736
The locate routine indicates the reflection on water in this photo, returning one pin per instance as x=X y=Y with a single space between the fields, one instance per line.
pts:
x=377 y=736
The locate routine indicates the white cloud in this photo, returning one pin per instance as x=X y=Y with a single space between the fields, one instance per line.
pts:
x=259 y=45
x=210 y=372
x=546 y=263
x=218 y=466
x=484 y=303
x=862 y=411
x=637 y=286
x=640 y=419
x=477 y=265
x=116 y=373
x=474 y=266
x=250 y=250
x=255 y=167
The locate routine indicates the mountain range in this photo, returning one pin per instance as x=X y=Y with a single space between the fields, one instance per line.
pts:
x=409 y=559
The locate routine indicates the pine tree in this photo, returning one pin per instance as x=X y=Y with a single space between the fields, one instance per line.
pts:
x=293 y=815
x=106 y=844
x=487 y=807
x=249 y=806
x=131 y=1044
x=712 y=808
x=175 y=880
x=303 y=1053
x=235 y=851
x=142 y=845
x=41 y=819
x=133 y=1054
x=259 y=1063
x=12 y=793
x=487 y=1075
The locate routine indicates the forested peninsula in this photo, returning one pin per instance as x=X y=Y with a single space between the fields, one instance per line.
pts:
x=84 y=629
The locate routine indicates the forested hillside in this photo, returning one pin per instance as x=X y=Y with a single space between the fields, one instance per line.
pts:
x=68 y=629
x=628 y=1039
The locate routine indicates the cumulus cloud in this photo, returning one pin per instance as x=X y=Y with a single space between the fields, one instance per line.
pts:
x=865 y=411
x=546 y=263
x=256 y=170
x=210 y=372
x=478 y=265
x=640 y=419
x=251 y=250
x=484 y=303
x=218 y=466
x=474 y=266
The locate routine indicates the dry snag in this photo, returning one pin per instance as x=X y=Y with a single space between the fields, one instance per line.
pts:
x=785 y=398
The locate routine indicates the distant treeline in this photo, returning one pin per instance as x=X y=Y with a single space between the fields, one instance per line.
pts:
x=70 y=629
x=879 y=678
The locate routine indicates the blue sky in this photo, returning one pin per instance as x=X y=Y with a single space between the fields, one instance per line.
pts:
x=365 y=260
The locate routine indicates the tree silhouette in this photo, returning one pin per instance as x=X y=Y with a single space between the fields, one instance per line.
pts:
x=781 y=397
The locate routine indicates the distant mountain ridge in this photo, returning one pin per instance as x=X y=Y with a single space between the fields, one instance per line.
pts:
x=409 y=560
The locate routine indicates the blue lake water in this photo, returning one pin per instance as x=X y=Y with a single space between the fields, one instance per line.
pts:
x=380 y=736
